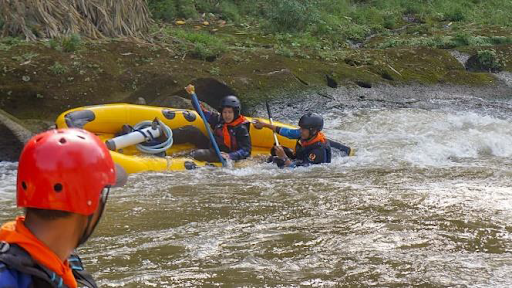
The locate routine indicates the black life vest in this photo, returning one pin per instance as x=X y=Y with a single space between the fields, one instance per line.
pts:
x=16 y=258
x=302 y=153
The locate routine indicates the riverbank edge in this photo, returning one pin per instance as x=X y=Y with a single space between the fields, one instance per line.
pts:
x=39 y=82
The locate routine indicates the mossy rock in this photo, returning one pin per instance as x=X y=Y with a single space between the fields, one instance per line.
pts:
x=485 y=61
x=461 y=77
x=13 y=135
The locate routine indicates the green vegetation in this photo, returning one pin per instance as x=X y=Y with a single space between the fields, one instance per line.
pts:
x=58 y=68
x=164 y=9
x=489 y=60
x=291 y=16
x=318 y=28
x=447 y=41
x=25 y=57
x=255 y=47
x=352 y=18
x=215 y=71
x=70 y=43
x=284 y=51
x=201 y=45
x=9 y=42
x=168 y=10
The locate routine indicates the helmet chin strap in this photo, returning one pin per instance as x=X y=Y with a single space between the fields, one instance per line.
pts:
x=311 y=134
x=90 y=227
x=85 y=236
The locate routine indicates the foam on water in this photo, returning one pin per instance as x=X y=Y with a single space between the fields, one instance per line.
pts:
x=7 y=180
x=420 y=137
x=7 y=189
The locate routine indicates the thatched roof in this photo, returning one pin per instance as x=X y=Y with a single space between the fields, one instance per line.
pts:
x=90 y=18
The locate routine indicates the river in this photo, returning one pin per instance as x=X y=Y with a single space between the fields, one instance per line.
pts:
x=427 y=201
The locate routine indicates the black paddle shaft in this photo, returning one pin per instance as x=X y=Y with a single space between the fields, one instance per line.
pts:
x=276 y=141
x=268 y=110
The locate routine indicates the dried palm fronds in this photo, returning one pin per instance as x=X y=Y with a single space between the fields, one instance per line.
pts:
x=94 y=19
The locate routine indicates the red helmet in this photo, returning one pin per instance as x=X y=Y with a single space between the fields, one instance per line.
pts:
x=64 y=170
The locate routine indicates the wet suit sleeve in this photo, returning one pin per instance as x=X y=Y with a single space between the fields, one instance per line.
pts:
x=288 y=133
x=344 y=149
x=295 y=134
x=244 y=143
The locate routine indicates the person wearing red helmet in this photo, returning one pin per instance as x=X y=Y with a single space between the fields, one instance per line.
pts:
x=64 y=177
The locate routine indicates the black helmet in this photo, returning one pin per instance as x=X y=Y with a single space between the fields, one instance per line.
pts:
x=233 y=102
x=311 y=121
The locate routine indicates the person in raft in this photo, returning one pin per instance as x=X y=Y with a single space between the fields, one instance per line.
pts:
x=230 y=129
x=64 y=178
x=312 y=147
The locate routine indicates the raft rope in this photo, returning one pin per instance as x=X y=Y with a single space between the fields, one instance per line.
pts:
x=156 y=148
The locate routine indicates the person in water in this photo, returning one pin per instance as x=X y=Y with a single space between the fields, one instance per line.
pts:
x=229 y=127
x=312 y=146
x=64 y=178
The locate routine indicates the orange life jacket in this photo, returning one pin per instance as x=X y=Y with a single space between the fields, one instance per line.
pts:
x=320 y=137
x=16 y=232
x=225 y=131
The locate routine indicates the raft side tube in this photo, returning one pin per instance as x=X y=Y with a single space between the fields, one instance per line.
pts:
x=78 y=119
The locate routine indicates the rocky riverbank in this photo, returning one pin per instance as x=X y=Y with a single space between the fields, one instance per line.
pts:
x=38 y=82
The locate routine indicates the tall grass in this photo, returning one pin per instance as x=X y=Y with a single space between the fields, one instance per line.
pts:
x=205 y=46
x=298 y=15
x=337 y=21
x=34 y=19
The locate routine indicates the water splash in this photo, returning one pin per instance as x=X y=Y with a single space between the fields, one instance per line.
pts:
x=7 y=180
x=421 y=137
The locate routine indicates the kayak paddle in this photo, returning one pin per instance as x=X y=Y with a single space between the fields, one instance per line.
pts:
x=271 y=122
x=192 y=93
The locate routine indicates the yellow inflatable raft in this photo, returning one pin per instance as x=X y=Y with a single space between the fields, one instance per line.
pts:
x=107 y=120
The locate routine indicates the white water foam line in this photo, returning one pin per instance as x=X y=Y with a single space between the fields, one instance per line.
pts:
x=381 y=138
x=420 y=137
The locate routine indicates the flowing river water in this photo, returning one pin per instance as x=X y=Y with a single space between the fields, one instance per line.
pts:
x=427 y=201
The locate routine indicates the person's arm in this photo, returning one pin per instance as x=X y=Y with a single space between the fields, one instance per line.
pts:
x=244 y=143
x=288 y=133
x=285 y=132
x=348 y=151
x=284 y=162
x=281 y=159
x=210 y=116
